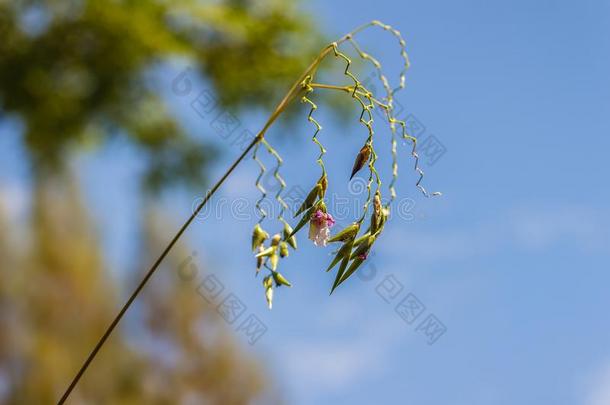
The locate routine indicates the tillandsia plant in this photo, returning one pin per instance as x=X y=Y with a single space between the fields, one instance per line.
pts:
x=357 y=239
x=354 y=241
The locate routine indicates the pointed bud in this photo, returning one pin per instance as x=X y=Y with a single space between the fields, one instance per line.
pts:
x=361 y=159
x=304 y=220
x=357 y=258
x=273 y=259
x=283 y=249
x=266 y=252
x=363 y=249
x=310 y=199
x=268 y=284
x=259 y=236
x=352 y=268
x=344 y=251
x=349 y=232
x=340 y=273
x=377 y=217
x=280 y=280
x=385 y=214
x=260 y=260
x=292 y=240
x=361 y=239
x=323 y=182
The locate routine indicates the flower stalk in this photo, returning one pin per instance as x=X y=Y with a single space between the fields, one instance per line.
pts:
x=354 y=249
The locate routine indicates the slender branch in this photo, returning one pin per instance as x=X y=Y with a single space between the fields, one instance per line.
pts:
x=290 y=96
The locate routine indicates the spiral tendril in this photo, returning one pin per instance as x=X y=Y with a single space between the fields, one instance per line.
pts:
x=389 y=108
x=357 y=93
x=259 y=186
x=310 y=118
x=280 y=180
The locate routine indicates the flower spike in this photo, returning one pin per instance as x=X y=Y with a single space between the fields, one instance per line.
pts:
x=354 y=245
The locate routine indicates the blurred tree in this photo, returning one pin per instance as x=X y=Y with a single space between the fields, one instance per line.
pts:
x=50 y=315
x=203 y=365
x=75 y=70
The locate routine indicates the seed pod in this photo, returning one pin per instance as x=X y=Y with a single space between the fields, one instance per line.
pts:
x=259 y=236
x=280 y=280
x=361 y=159
x=349 y=232
x=292 y=240
x=283 y=249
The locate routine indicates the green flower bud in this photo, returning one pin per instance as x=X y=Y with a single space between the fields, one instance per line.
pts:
x=341 y=272
x=283 y=249
x=363 y=249
x=377 y=217
x=280 y=280
x=349 y=232
x=273 y=259
x=310 y=199
x=259 y=236
x=323 y=182
x=362 y=239
x=260 y=260
x=343 y=252
x=304 y=220
x=266 y=252
x=352 y=269
x=268 y=284
x=292 y=240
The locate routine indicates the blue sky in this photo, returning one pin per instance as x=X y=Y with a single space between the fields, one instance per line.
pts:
x=513 y=259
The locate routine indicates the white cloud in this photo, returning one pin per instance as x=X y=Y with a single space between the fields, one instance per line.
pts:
x=599 y=387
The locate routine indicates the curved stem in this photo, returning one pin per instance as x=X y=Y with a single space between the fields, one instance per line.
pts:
x=292 y=93
x=288 y=98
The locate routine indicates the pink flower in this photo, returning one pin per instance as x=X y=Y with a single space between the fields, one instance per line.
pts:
x=319 y=227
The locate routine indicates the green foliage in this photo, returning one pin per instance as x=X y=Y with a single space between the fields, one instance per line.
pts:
x=77 y=70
